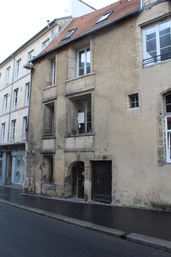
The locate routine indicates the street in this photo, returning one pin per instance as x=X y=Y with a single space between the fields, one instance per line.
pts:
x=27 y=234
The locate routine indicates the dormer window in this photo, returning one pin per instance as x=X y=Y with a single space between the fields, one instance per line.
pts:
x=104 y=17
x=69 y=34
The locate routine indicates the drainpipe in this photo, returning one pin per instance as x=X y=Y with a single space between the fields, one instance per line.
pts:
x=8 y=139
x=29 y=102
x=141 y=4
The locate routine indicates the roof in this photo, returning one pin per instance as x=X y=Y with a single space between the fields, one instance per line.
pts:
x=87 y=24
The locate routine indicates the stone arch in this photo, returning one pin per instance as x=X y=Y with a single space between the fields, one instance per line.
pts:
x=76 y=170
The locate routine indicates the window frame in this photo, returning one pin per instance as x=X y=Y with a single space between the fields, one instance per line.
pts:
x=5 y=103
x=7 y=76
x=167 y=132
x=27 y=93
x=15 y=100
x=30 y=55
x=13 y=130
x=2 y=132
x=150 y=60
x=24 y=127
x=18 y=67
x=45 y=43
x=104 y=17
x=85 y=62
x=134 y=101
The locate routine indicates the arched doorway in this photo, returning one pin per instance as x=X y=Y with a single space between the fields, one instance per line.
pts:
x=78 y=180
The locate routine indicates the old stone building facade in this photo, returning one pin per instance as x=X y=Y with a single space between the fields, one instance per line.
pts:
x=102 y=130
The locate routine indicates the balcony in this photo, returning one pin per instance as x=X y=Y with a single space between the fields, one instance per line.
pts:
x=83 y=83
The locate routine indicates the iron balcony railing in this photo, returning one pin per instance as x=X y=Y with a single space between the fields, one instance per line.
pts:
x=157 y=58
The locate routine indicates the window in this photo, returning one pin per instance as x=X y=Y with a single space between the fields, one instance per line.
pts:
x=1 y=169
x=13 y=128
x=7 y=76
x=168 y=127
x=53 y=72
x=48 y=119
x=157 y=43
x=27 y=93
x=84 y=61
x=18 y=68
x=104 y=17
x=84 y=116
x=79 y=115
x=2 y=132
x=50 y=75
x=5 y=103
x=45 y=43
x=133 y=100
x=69 y=34
x=24 y=127
x=15 y=98
x=30 y=55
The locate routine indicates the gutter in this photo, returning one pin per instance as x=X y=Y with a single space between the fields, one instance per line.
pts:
x=137 y=11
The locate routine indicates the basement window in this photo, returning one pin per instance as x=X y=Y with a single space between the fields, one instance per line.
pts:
x=104 y=17
x=69 y=34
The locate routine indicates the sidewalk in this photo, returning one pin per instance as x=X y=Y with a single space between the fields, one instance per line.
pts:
x=148 y=227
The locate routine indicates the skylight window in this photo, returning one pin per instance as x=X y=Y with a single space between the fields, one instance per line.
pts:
x=104 y=17
x=69 y=34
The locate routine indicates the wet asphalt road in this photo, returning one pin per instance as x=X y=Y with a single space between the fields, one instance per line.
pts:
x=27 y=234
x=130 y=220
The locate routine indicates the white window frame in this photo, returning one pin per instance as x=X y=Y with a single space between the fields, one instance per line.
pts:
x=7 y=75
x=30 y=55
x=24 y=127
x=15 y=104
x=18 y=67
x=13 y=130
x=53 y=72
x=82 y=117
x=168 y=138
x=27 y=93
x=85 y=62
x=149 y=60
x=5 y=104
x=3 y=132
x=45 y=43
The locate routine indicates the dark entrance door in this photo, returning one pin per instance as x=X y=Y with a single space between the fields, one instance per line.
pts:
x=78 y=180
x=101 y=181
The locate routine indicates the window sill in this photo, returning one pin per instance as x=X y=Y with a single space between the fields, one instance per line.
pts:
x=48 y=87
x=80 y=77
x=80 y=135
x=49 y=136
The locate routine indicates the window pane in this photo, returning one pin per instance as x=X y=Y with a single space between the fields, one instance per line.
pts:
x=151 y=46
x=0 y=169
x=88 y=61
x=81 y=62
x=168 y=103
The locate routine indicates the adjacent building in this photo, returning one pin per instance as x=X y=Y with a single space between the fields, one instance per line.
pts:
x=101 y=130
x=15 y=77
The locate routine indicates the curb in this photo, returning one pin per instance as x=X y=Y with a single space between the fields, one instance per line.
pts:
x=152 y=242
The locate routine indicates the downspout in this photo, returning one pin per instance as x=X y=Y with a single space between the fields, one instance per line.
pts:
x=8 y=139
x=29 y=104
x=141 y=4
